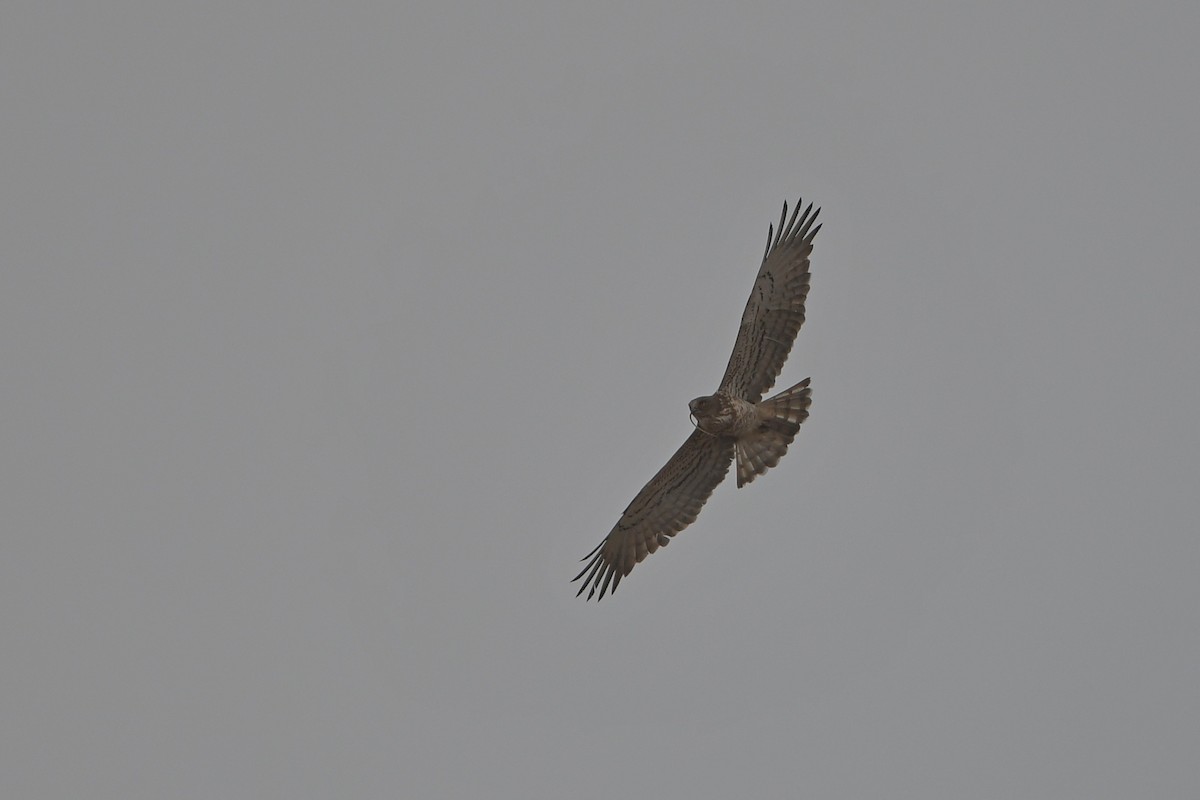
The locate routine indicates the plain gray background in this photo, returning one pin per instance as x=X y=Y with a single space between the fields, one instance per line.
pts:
x=334 y=335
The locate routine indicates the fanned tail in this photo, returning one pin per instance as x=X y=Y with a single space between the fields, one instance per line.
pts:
x=781 y=417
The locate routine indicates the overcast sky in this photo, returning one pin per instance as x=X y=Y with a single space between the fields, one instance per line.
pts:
x=332 y=336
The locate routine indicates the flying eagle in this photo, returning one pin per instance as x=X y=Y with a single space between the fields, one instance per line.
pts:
x=734 y=422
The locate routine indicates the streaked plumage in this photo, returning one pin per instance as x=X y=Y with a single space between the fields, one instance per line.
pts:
x=732 y=424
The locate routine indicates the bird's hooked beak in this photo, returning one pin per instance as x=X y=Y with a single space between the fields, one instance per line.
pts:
x=692 y=416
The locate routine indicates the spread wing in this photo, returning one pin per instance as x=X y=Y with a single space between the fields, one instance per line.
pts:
x=665 y=506
x=775 y=310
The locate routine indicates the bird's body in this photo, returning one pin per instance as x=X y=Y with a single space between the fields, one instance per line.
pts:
x=732 y=424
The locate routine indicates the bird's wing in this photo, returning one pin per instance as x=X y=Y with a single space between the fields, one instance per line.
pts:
x=775 y=310
x=665 y=506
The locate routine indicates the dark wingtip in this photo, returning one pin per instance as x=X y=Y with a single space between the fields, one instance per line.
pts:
x=799 y=225
x=595 y=571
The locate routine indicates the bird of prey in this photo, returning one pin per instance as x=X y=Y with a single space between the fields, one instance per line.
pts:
x=733 y=423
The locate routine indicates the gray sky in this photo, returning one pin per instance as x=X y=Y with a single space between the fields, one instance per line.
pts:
x=331 y=337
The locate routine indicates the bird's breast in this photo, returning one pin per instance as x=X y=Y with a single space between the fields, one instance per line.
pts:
x=744 y=415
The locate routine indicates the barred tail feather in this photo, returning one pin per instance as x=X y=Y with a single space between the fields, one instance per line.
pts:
x=791 y=404
x=781 y=417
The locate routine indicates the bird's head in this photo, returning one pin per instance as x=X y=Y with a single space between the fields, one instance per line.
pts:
x=710 y=414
